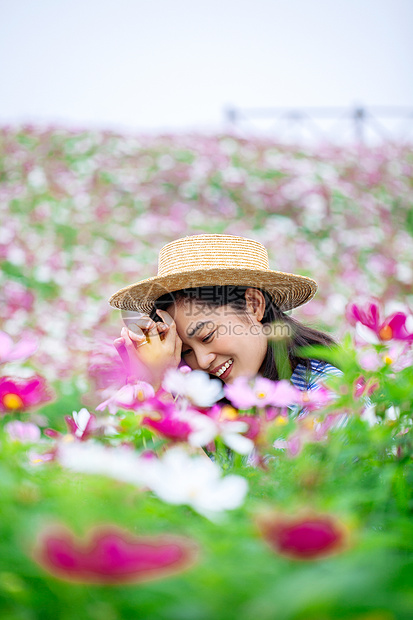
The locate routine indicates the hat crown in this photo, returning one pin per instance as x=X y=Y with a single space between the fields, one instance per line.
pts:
x=204 y=252
x=215 y=260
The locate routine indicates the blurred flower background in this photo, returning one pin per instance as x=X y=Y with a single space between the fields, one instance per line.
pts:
x=112 y=143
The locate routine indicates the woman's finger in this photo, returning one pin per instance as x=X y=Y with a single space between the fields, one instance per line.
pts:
x=134 y=320
x=178 y=348
x=133 y=336
x=165 y=316
x=144 y=323
x=170 y=334
x=162 y=328
x=122 y=352
x=127 y=339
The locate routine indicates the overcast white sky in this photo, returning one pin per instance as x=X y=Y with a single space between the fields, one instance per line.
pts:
x=175 y=64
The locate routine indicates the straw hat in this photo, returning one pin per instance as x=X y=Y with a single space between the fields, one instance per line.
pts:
x=207 y=260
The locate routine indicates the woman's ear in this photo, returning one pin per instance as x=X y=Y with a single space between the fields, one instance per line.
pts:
x=255 y=302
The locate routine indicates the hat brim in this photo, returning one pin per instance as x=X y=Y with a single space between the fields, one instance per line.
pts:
x=287 y=290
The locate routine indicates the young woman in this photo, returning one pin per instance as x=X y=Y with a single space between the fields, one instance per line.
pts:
x=216 y=305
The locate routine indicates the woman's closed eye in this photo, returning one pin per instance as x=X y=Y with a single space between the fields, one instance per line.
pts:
x=206 y=339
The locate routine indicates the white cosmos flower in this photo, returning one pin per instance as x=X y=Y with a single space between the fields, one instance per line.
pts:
x=392 y=413
x=81 y=419
x=176 y=478
x=107 y=426
x=366 y=334
x=206 y=430
x=196 y=386
x=369 y=414
x=231 y=436
x=93 y=458
x=196 y=481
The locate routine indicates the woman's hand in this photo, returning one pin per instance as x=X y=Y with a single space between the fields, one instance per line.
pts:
x=150 y=348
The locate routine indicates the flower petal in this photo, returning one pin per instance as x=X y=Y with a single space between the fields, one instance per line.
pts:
x=110 y=555
x=303 y=537
x=239 y=443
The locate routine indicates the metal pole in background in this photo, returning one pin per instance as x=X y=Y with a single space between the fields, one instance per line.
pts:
x=359 y=117
x=364 y=123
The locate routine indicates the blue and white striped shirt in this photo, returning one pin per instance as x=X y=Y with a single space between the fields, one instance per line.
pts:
x=308 y=379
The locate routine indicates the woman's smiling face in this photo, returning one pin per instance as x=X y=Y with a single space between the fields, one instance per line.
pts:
x=219 y=340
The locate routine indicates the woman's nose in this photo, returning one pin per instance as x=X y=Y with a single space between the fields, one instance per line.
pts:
x=205 y=360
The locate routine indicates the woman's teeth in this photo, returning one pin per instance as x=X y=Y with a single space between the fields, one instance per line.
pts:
x=224 y=368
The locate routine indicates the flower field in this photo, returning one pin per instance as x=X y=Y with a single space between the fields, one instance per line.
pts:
x=109 y=509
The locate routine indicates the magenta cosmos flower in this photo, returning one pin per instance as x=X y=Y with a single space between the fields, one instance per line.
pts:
x=391 y=328
x=170 y=427
x=303 y=537
x=22 y=394
x=110 y=555
x=167 y=420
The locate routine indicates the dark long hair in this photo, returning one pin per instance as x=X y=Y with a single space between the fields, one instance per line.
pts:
x=298 y=335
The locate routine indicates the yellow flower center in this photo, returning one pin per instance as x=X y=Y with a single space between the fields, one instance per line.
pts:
x=309 y=423
x=13 y=402
x=260 y=394
x=140 y=395
x=153 y=415
x=228 y=413
x=387 y=360
x=280 y=421
x=386 y=333
x=68 y=438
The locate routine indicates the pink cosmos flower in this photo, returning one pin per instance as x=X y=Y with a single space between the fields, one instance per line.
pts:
x=130 y=396
x=314 y=399
x=17 y=297
x=254 y=426
x=240 y=393
x=309 y=429
x=22 y=394
x=36 y=458
x=363 y=387
x=392 y=327
x=110 y=555
x=81 y=424
x=321 y=428
x=294 y=444
x=286 y=394
x=105 y=367
x=173 y=423
x=274 y=412
x=236 y=432
x=10 y=352
x=398 y=355
x=304 y=537
x=262 y=392
x=370 y=360
x=22 y=431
